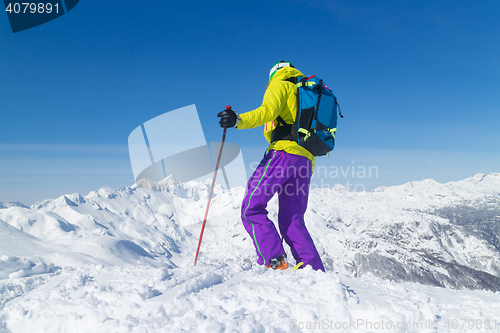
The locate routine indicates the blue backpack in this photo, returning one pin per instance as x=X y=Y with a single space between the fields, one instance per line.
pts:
x=316 y=121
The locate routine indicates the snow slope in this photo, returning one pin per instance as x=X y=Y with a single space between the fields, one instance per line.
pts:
x=121 y=261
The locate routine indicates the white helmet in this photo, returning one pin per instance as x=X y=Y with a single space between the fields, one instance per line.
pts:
x=279 y=65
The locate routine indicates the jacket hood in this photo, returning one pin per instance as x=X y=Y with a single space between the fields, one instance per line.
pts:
x=285 y=73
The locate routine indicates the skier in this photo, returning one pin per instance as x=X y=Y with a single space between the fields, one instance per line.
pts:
x=285 y=169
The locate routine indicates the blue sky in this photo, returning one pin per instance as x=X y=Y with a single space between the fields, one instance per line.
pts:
x=418 y=82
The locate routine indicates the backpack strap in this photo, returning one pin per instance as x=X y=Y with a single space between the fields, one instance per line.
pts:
x=338 y=105
x=284 y=131
x=293 y=80
x=319 y=87
x=281 y=121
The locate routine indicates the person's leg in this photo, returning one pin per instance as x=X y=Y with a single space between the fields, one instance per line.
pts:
x=292 y=207
x=261 y=187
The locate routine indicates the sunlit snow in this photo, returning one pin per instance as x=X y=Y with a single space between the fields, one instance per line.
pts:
x=419 y=257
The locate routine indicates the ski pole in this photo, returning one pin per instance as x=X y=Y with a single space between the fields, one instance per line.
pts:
x=228 y=107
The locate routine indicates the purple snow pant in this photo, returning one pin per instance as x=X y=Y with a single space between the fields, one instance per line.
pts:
x=288 y=175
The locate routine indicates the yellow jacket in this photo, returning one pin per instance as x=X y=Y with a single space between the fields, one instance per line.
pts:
x=279 y=100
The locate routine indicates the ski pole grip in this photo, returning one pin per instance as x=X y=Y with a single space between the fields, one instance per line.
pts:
x=228 y=107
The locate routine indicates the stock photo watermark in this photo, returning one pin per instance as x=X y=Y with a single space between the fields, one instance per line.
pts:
x=351 y=176
x=25 y=15
x=365 y=324
x=154 y=155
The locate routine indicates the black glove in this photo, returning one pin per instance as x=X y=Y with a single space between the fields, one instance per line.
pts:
x=228 y=118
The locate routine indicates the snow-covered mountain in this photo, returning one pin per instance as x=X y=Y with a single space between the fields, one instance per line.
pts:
x=112 y=249
x=438 y=234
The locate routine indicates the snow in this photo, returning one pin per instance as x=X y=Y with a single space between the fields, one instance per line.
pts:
x=419 y=257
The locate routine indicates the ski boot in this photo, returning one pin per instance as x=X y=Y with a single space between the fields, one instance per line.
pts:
x=278 y=263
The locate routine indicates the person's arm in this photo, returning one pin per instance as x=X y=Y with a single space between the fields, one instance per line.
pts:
x=272 y=105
